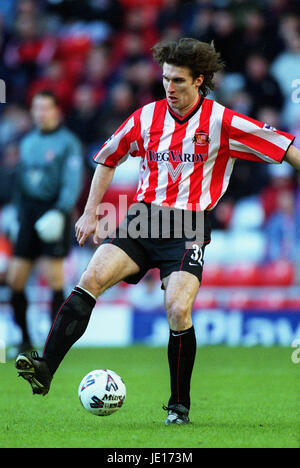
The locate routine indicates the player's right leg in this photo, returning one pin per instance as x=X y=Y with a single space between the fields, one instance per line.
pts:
x=108 y=266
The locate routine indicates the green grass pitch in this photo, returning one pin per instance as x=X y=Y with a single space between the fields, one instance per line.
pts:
x=241 y=397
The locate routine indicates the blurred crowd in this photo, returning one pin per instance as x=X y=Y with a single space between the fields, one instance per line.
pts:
x=95 y=55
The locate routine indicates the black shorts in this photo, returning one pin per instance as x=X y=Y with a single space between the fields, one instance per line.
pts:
x=28 y=244
x=167 y=251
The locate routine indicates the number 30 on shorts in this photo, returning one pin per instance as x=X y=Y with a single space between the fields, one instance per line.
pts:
x=197 y=256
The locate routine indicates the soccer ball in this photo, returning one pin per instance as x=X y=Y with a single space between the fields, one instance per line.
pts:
x=102 y=392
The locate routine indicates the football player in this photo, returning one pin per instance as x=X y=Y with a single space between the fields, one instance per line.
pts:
x=186 y=146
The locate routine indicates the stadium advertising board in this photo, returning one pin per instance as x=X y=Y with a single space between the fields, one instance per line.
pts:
x=224 y=327
x=121 y=325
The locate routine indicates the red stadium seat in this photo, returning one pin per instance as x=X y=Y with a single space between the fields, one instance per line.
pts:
x=212 y=275
x=5 y=246
x=279 y=273
x=76 y=46
x=293 y=304
x=6 y=252
x=243 y=274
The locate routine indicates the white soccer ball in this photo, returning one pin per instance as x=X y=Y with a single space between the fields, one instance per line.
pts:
x=102 y=392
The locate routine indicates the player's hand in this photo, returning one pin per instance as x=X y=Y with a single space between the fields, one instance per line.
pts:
x=86 y=226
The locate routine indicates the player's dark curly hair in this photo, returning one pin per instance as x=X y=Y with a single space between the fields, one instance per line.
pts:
x=200 y=57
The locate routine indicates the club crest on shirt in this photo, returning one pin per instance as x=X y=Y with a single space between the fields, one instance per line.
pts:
x=201 y=138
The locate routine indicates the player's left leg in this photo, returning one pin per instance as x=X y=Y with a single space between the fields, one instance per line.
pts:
x=180 y=292
x=53 y=272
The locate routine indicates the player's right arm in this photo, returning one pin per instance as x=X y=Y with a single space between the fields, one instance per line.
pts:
x=86 y=225
x=113 y=153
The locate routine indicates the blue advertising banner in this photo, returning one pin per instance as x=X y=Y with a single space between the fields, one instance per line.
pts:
x=122 y=325
x=223 y=327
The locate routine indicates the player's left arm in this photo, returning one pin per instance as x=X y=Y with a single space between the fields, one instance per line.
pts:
x=293 y=157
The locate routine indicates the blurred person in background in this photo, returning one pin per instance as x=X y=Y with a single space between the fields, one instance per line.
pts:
x=142 y=21
x=227 y=37
x=48 y=184
x=141 y=75
x=173 y=12
x=279 y=181
x=28 y=51
x=120 y=100
x=258 y=33
x=198 y=22
x=261 y=86
x=96 y=72
x=14 y=124
x=8 y=170
x=110 y=11
x=54 y=78
x=84 y=116
x=285 y=69
x=128 y=47
x=281 y=229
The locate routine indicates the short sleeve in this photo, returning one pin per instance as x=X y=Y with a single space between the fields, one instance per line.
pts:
x=256 y=141
x=120 y=145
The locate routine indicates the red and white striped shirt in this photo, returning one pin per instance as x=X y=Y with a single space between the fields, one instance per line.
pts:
x=186 y=162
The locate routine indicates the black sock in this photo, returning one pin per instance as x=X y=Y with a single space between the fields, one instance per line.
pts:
x=19 y=305
x=69 y=325
x=57 y=300
x=181 y=354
